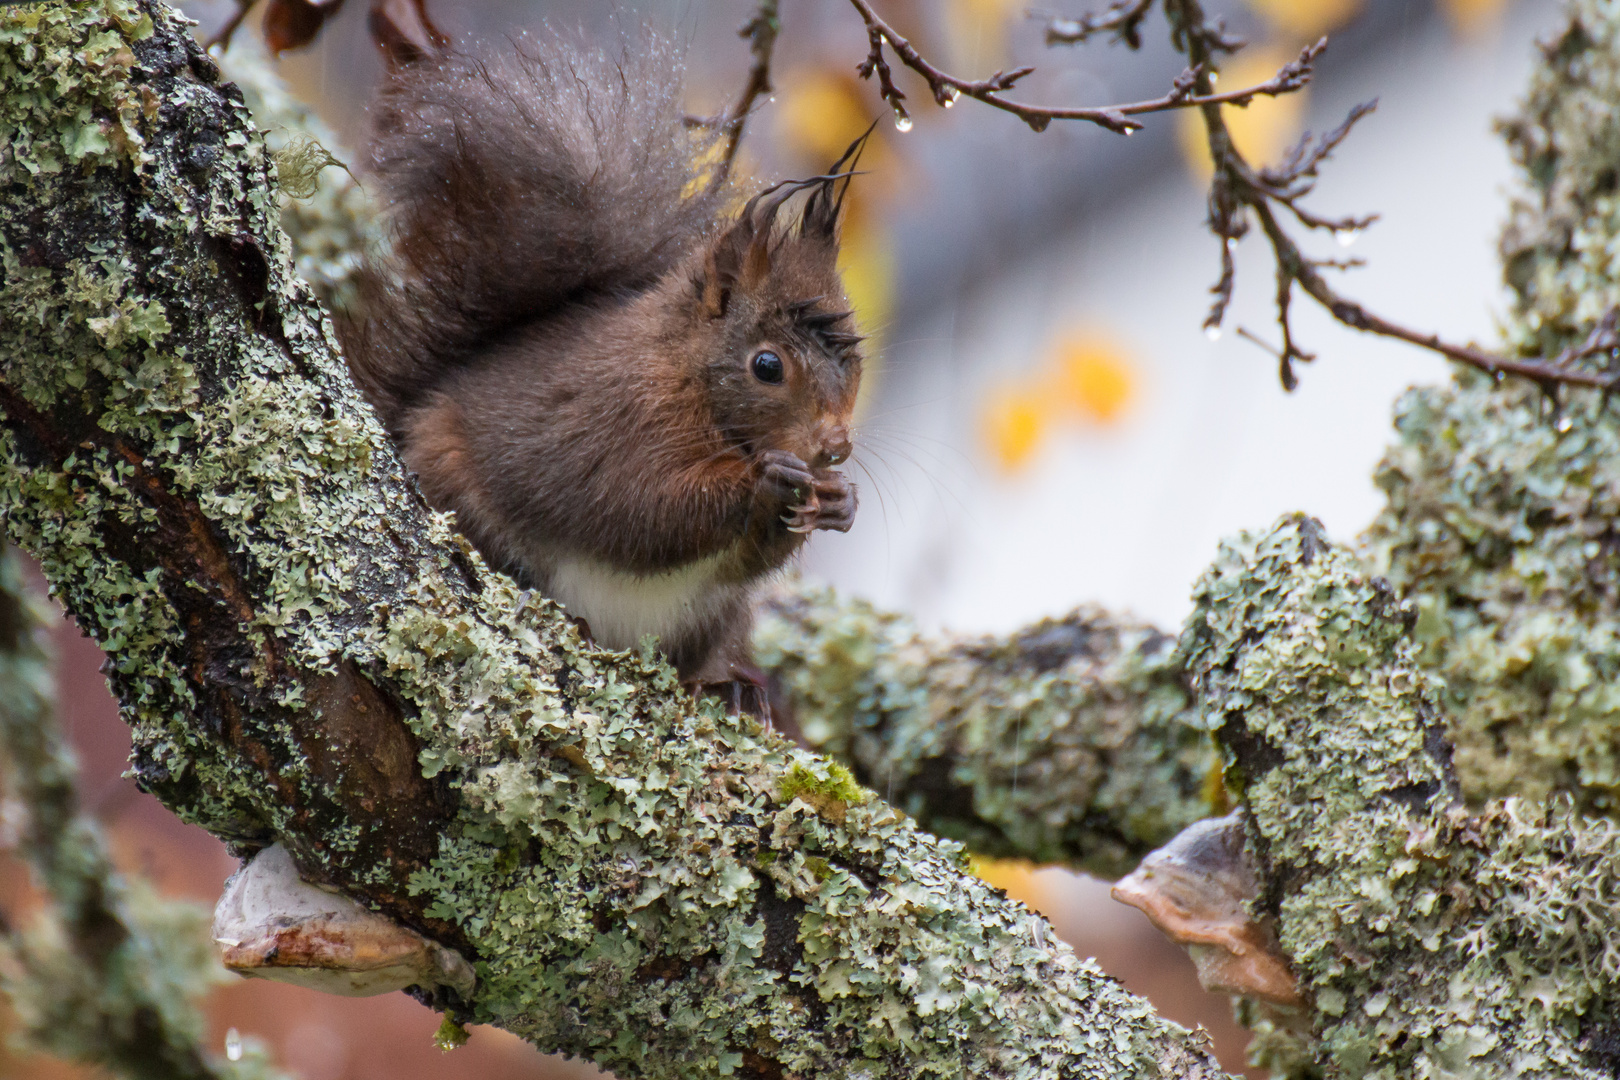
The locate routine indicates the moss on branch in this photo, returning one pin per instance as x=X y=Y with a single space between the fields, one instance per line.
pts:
x=1073 y=741
x=307 y=655
x=1434 y=943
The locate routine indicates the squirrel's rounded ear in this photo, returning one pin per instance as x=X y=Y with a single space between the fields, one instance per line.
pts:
x=739 y=257
x=722 y=266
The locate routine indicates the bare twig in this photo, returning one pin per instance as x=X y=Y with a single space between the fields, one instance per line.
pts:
x=1191 y=89
x=1124 y=20
x=761 y=31
x=226 y=32
x=1239 y=192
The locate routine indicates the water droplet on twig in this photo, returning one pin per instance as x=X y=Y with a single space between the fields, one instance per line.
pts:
x=233 y=1045
x=902 y=119
x=949 y=95
x=1213 y=333
x=1346 y=237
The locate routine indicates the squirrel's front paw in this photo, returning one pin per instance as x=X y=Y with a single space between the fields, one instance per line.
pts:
x=809 y=500
x=835 y=505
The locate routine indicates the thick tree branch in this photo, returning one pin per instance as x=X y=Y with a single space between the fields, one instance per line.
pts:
x=107 y=979
x=1073 y=741
x=1432 y=941
x=1502 y=501
x=307 y=655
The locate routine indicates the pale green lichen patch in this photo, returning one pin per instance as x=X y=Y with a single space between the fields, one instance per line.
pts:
x=1501 y=512
x=325 y=210
x=620 y=862
x=1073 y=741
x=1434 y=943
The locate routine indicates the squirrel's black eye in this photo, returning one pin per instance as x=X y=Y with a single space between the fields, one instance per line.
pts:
x=768 y=367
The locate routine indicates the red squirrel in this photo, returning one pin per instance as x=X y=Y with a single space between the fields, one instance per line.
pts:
x=632 y=399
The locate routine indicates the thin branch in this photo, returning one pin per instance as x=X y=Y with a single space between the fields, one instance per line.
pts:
x=1189 y=90
x=1124 y=20
x=223 y=39
x=1238 y=191
x=761 y=31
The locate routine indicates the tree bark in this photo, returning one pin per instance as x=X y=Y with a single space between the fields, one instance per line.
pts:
x=306 y=654
x=1432 y=941
x=1073 y=741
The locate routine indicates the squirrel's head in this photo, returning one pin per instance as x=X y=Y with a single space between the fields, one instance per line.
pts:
x=784 y=359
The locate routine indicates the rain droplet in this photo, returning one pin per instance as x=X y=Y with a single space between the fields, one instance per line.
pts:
x=1564 y=424
x=1213 y=333
x=1214 y=77
x=1129 y=132
x=902 y=121
x=950 y=96
x=233 y=1045
x=1346 y=237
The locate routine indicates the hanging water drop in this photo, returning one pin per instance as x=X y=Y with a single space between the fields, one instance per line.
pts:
x=902 y=119
x=949 y=95
x=1213 y=333
x=233 y=1045
x=1346 y=237
x=1564 y=424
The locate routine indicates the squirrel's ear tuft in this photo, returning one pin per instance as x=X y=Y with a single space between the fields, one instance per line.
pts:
x=823 y=210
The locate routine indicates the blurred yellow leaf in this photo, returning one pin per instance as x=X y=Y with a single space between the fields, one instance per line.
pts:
x=1470 y=17
x=1306 y=20
x=1013 y=423
x=866 y=263
x=978 y=30
x=1263 y=130
x=1094 y=377
x=1017 y=879
x=821 y=113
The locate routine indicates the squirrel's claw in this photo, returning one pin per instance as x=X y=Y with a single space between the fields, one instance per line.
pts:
x=811 y=500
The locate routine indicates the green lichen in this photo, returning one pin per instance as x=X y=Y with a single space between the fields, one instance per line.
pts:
x=328 y=216
x=106 y=973
x=1434 y=943
x=1073 y=741
x=600 y=850
x=1501 y=511
x=1561 y=248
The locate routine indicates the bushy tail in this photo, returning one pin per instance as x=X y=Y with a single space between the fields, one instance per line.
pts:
x=516 y=183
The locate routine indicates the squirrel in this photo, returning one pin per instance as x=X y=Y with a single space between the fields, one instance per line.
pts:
x=632 y=399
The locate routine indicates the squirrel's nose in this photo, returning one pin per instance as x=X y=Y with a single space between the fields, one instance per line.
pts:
x=835 y=444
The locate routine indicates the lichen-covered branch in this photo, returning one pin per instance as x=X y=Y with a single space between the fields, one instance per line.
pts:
x=307 y=655
x=1073 y=741
x=1500 y=523
x=110 y=974
x=1433 y=942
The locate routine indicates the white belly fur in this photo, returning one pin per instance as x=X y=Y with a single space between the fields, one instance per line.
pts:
x=622 y=607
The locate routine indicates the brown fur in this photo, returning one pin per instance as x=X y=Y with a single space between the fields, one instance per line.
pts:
x=563 y=341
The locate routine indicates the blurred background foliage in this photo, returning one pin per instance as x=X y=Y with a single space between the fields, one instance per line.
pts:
x=1044 y=421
